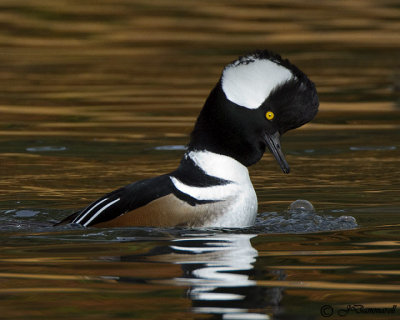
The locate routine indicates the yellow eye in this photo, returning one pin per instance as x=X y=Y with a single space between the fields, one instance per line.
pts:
x=269 y=115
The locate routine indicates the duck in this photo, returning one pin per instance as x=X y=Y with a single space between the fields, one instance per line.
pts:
x=258 y=97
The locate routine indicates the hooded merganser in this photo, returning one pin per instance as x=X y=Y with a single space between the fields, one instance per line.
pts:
x=259 y=97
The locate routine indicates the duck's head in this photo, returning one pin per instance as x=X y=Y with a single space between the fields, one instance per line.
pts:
x=258 y=98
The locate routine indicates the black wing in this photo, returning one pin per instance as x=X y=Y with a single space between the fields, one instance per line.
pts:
x=122 y=200
x=142 y=192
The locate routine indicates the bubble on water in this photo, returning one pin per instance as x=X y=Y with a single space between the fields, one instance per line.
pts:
x=301 y=205
x=301 y=217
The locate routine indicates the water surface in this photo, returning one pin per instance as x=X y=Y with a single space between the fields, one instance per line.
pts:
x=96 y=95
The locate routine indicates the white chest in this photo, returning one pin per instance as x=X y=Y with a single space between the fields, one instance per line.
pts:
x=236 y=202
x=239 y=210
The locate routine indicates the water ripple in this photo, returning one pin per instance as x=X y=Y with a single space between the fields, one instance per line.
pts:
x=46 y=149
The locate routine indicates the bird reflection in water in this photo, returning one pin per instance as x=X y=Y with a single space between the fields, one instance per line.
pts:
x=219 y=270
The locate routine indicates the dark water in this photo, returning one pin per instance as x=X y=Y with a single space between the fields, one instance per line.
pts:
x=98 y=94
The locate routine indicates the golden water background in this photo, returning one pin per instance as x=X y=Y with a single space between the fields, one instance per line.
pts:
x=90 y=89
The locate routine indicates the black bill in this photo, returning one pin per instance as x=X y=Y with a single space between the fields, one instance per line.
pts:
x=274 y=145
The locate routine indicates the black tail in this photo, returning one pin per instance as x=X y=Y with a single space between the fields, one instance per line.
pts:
x=68 y=219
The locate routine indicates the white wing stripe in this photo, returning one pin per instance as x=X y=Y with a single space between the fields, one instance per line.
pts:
x=86 y=213
x=221 y=192
x=100 y=211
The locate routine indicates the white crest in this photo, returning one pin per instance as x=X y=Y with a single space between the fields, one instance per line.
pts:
x=249 y=82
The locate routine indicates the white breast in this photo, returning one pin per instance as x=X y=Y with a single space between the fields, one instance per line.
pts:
x=239 y=207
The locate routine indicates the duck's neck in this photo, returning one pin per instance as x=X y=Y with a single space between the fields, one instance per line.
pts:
x=221 y=129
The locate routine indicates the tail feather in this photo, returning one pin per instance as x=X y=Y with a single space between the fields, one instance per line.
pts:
x=68 y=219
